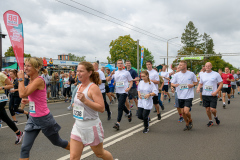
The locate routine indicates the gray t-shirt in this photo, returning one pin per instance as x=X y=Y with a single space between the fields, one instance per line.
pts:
x=235 y=76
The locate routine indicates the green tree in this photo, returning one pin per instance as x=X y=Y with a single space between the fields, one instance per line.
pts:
x=73 y=57
x=10 y=53
x=126 y=48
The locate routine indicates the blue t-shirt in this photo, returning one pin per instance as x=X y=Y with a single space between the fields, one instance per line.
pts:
x=61 y=82
x=112 y=81
x=134 y=75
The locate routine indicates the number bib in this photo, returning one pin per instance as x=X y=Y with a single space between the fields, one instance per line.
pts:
x=183 y=86
x=3 y=97
x=78 y=112
x=225 y=85
x=65 y=86
x=119 y=84
x=208 y=88
x=32 y=107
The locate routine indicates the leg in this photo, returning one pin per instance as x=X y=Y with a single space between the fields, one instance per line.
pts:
x=187 y=115
x=101 y=153
x=109 y=96
x=209 y=113
x=157 y=108
x=121 y=106
x=76 y=149
x=140 y=113
x=57 y=141
x=159 y=99
x=223 y=96
x=145 y=117
x=136 y=102
x=214 y=111
x=127 y=104
x=106 y=104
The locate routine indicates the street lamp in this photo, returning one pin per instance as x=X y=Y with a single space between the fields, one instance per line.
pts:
x=1 y=36
x=167 y=50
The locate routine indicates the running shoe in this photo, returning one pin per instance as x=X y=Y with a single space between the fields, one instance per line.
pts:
x=190 y=125
x=159 y=116
x=15 y=122
x=200 y=103
x=131 y=106
x=66 y=100
x=231 y=96
x=146 y=130
x=220 y=99
x=169 y=100
x=69 y=100
x=130 y=117
x=69 y=108
x=224 y=106
x=210 y=123
x=228 y=101
x=109 y=116
x=238 y=92
x=126 y=114
x=217 y=120
x=19 y=137
x=180 y=119
x=186 y=128
x=165 y=97
x=116 y=126
x=162 y=107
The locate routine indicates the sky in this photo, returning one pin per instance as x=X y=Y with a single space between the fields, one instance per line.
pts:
x=52 y=28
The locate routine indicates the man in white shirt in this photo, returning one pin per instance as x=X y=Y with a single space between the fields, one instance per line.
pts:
x=121 y=77
x=209 y=82
x=199 y=76
x=184 y=82
x=102 y=88
x=154 y=77
x=234 y=83
x=165 y=76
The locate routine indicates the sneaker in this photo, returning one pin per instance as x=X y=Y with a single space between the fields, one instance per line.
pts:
x=224 y=106
x=228 y=101
x=116 y=126
x=210 y=123
x=19 y=137
x=190 y=125
x=169 y=100
x=217 y=120
x=186 y=128
x=131 y=106
x=220 y=99
x=180 y=119
x=69 y=100
x=130 y=117
x=146 y=130
x=69 y=108
x=109 y=116
x=66 y=100
x=126 y=114
x=136 y=112
x=15 y=122
x=159 y=116
x=162 y=107
x=200 y=103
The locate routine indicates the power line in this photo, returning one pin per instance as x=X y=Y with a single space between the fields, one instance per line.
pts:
x=112 y=21
x=119 y=20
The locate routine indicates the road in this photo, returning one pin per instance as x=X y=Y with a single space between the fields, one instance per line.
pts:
x=166 y=139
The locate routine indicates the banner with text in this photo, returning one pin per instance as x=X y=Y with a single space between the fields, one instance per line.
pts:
x=13 y=23
x=192 y=58
x=142 y=54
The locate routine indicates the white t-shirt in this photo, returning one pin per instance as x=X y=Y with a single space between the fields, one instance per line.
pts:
x=153 y=75
x=210 y=81
x=146 y=88
x=235 y=76
x=183 y=79
x=165 y=74
x=102 y=77
x=173 y=76
x=66 y=85
x=121 y=80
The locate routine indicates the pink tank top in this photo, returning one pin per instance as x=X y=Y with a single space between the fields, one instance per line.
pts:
x=39 y=97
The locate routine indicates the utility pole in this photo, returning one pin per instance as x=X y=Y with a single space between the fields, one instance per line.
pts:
x=1 y=36
x=164 y=61
x=138 y=57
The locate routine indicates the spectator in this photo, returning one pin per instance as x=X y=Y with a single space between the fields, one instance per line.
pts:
x=66 y=87
x=54 y=83
x=61 y=74
x=47 y=79
x=51 y=63
x=44 y=63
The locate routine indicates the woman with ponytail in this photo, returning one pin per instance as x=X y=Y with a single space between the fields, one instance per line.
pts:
x=40 y=117
x=87 y=101
x=146 y=91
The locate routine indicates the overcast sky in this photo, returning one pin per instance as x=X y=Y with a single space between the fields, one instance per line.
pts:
x=52 y=28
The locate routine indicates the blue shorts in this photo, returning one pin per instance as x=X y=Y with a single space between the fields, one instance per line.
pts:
x=111 y=89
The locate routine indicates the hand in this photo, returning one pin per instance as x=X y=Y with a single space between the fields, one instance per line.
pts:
x=140 y=96
x=21 y=74
x=198 y=90
x=73 y=105
x=81 y=97
x=228 y=79
x=214 y=94
x=12 y=91
x=176 y=85
x=190 y=85
x=127 y=89
x=113 y=72
x=25 y=101
x=147 y=96
x=26 y=76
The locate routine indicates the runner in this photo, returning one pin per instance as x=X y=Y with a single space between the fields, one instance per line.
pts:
x=88 y=101
x=176 y=104
x=111 y=86
x=227 y=79
x=5 y=83
x=154 y=77
x=40 y=117
x=133 y=91
x=185 y=82
x=233 y=84
x=165 y=76
x=160 y=86
x=238 y=82
x=201 y=89
x=146 y=91
x=209 y=81
x=121 y=77
x=220 y=92
x=102 y=88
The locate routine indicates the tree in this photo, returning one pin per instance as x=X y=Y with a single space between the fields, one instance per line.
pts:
x=73 y=57
x=126 y=48
x=10 y=53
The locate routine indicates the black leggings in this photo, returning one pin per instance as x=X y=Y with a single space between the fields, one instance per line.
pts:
x=121 y=105
x=14 y=104
x=106 y=104
x=66 y=91
x=143 y=115
x=5 y=118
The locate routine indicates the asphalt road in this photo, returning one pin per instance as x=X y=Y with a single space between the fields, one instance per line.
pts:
x=166 y=139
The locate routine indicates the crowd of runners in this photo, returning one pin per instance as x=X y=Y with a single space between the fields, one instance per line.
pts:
x=88 y=90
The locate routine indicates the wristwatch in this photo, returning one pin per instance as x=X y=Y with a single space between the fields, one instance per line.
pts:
x=20 y=80
x=3 y=88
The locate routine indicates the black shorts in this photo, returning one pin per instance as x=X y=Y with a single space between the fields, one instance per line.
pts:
x=234 y=86
x=228 y=90
x=155 y=100
x=107 y=89
x=185 y=103
x=201 y=89
x=238 y=83
x=210 y=101
x=133 y=92
x=165 y=88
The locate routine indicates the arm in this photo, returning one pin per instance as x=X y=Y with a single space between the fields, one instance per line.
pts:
x=73 y=95
x=199 y=86
x=155 y=81
x=8 y=84
x=139 y=95
x=219 y=88
x=174 y=85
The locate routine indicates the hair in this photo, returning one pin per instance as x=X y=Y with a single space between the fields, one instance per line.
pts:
x=148 y=61
x=37 y=63
x=14 y=71
x=107 y=69
x=220 y=69
x=128 y=61
x=119 y=60
x=94 y=77
x=45 y=71
x=62 y=72
x=147 y=74
x=185 y=62
x=226 y=67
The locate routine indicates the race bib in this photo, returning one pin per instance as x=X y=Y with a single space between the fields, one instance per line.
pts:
x=119 y=84
x=225 y=85
x=3 y=97
x=65 y=86
x=78 y=112
x=11 y=89
x=32 y=107
x=183 y=86
x=208 y=88
x=143 y=95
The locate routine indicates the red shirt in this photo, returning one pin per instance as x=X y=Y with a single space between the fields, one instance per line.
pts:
x=225 y=76
x=44 y=62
